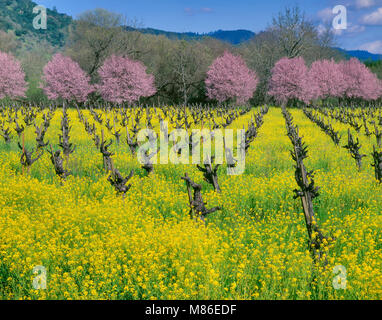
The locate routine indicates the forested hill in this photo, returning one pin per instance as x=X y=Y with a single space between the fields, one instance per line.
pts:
x=361 y=55
x=234 y=37
x=17 y=16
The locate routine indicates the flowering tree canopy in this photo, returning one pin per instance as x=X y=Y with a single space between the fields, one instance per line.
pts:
x=288 y=81
x=12 y=77
x=380 y=89
x=123 y=79
x=65 y=79
x=325 y=79
x=229 y=78
x=359 y=81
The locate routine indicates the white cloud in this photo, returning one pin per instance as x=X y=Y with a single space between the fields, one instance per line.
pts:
x=373 y=47
x=356 y=28
x=207 y=10
x=326 y=15
x=364 y=3
x=321 y=29
x=374 y=18
x=191 y=11
x=351 y=29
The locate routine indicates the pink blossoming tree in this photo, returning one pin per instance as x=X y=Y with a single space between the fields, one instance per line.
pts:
x=229 y=78
x=359 y=81
x=12 y=77
x=325 y=80
x=65 y=79
x=380 y=89
x=124 y=80
x=289 y=81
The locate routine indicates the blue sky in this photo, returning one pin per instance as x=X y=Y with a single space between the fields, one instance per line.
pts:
x=364 y=30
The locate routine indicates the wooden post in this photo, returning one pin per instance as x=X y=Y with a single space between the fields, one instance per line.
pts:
x=54 y=159
x=189 y=196
x=23 y=151
x=306 y=198
x=103 y=158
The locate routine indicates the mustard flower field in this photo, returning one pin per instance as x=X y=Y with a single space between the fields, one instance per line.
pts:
x=96 y=243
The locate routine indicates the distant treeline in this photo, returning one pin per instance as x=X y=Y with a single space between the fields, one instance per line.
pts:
x=376 y=67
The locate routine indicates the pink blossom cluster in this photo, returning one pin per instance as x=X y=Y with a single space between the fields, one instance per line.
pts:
x=288 y=80
x=65 y=79
x=123 y=79
x=229 y=78
x=292 y=79
x=359 y=81
x=126 y=80
x=12 y=77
